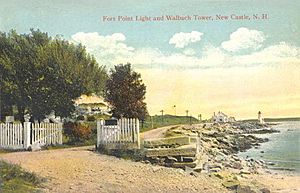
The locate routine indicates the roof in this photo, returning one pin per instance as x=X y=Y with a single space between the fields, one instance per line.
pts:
x=91 y=99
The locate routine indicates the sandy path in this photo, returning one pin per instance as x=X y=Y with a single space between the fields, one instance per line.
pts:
x=82 y=170
x=156 y=133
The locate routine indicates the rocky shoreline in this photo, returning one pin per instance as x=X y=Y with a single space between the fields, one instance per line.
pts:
x=220 y=144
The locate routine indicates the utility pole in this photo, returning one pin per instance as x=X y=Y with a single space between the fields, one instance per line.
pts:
x=162 y=115
x=187 y=115
x=174 y=109
x=151 y=121
x=200 y=117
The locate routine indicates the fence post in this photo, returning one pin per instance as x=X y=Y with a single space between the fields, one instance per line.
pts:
x=61 y=133
x=98 y=133
x=138 y=133
x=27 y=129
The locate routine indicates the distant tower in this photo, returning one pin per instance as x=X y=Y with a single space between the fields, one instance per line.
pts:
x=260 y=119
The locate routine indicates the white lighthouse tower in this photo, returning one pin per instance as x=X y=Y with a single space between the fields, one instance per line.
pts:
x=260 y=119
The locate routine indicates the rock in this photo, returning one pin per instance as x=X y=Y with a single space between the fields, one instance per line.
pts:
x=171 y=159
x=215 y=170
x=216 y=166
x=244 y=189
x=219 y=158
x=223 y=175
x=237 y=165
x=188 y=169
x=265 y=190
x=35 y=147
x=244 y=171
x=231 y=184
x=156 y=168
x=188 y=159
x=147 y=162
x=198 y=169
x=235 y=158
x=194 y=174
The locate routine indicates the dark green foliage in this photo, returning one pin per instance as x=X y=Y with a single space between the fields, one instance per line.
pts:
x=39 y=74
x=125 y=92
x=14 y=179
x=91 y=118
x=80 y=118
x=77 y=132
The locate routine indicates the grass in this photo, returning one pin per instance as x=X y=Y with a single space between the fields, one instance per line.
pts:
x=14 y=179
x=166 y=120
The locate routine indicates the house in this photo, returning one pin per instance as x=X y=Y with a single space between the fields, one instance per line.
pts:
x=221 y=117
x=91 y=105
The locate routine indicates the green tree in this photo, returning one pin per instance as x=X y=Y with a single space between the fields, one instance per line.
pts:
x=40 y=74
x=125 y=91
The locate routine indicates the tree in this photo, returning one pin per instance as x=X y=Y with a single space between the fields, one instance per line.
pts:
x=40 y=74
x=125 y=92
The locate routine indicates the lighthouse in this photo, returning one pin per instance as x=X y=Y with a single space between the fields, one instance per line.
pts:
x=260 y=119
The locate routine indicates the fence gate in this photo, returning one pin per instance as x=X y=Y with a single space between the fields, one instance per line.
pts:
x=124 y=134
x=18 y=136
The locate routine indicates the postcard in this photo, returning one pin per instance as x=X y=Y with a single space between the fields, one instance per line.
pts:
x=149 y=96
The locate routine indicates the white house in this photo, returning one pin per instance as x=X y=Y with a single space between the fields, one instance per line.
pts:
x=92 y=104
x=221 y=117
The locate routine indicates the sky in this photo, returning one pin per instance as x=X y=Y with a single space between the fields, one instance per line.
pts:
x=237 y=66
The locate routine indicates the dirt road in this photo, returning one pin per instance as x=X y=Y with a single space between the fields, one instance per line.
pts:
x=83 y=170
x=156 y=133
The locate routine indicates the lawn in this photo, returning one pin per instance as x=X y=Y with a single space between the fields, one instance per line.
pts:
x=166 y=120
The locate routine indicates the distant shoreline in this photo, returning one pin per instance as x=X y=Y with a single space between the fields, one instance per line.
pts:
x=276 y=119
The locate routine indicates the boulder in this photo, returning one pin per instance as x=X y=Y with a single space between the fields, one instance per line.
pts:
x=245 y=171
x=215 y=170
x=231 y=184
x=170 y=159
x=198 y=169
x=244 y=189
x=265 y=190
x=35 y=147
x=237 y=165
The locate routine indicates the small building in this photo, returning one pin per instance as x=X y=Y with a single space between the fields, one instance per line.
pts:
x=91 y=105
x=221 y=117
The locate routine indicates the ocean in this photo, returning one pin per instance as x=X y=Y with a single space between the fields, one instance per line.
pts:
x=282 y=149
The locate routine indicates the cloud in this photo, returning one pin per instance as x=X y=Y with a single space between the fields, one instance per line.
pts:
x=244 y=39
x=104 y=48
x=182 y=39
x=189 y=52
x=112 y=49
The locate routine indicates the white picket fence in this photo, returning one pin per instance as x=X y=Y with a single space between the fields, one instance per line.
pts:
x=11 y=136
x=125 y=133
x=18 y=136
x=46 y=133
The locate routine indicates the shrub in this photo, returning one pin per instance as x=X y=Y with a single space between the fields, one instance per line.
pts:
x=80 y=118
x=77 y=132
x=91 y=118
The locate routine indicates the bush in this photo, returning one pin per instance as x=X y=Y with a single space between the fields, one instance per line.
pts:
x=91 y=118
x=77 y=132
x=80 y=118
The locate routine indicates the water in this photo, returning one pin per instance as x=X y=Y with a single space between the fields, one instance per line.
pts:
x=282 y=149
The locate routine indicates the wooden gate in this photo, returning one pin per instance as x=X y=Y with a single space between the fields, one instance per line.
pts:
x=125 y=134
